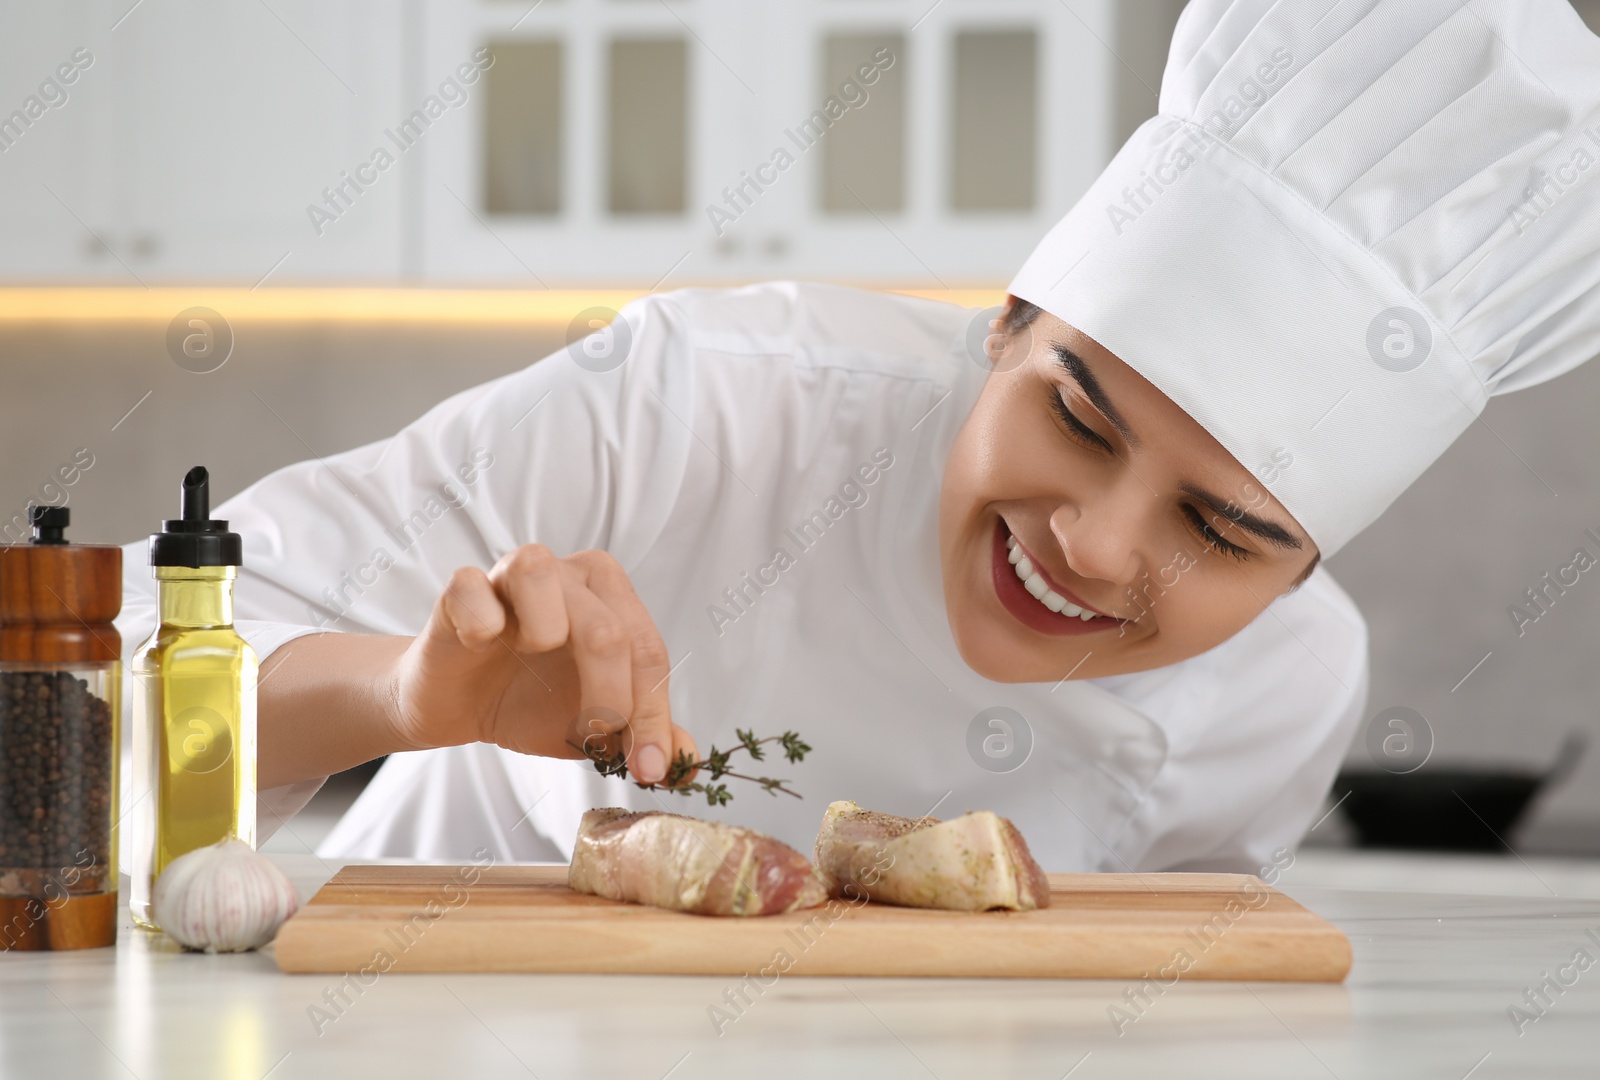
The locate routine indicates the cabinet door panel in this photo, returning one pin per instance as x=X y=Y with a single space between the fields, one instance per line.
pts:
x=888 y=190
x=57 y=89
x=586 y=150
x=250 y=129
x=197 y=137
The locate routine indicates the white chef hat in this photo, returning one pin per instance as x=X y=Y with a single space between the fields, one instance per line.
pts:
x=1350 y=224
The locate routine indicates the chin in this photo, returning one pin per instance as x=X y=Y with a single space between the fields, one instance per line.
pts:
x=987 y=657
x=994 y=654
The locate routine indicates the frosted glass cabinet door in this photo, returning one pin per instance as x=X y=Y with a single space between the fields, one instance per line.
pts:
x=587 y=140
x=984 y=122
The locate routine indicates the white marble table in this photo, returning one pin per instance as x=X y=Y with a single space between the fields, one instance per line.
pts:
x=1435 y=972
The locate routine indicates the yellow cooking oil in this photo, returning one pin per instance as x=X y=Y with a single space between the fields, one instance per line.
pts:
x=194 y=707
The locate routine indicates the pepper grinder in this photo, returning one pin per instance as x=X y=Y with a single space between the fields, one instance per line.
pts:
x=60 y=690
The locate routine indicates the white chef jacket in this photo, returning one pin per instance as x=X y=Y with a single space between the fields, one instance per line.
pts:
x=733 y=428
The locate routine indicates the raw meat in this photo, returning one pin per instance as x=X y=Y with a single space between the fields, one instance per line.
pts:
x=970 y=863
x=687 y=864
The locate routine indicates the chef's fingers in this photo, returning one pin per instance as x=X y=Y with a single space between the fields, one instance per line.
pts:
x=468 y=610
x=650 y=721
x=595 y=739
x=529 y=581
x=601 y=653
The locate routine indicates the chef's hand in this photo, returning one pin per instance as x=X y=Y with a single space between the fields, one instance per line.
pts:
x=538 y=654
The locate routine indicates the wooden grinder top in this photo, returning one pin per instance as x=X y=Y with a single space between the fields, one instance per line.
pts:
x=58 y=600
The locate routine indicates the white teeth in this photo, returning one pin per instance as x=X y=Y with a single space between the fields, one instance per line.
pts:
x=1034 y=582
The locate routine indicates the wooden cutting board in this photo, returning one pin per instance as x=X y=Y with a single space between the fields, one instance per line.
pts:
x=524 y=918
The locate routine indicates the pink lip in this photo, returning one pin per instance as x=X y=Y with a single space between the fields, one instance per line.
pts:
x=1022 y=606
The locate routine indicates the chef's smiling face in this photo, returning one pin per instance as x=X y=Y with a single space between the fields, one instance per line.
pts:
x=1076 y=486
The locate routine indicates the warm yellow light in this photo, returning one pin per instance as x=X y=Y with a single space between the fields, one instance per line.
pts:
x=349 y=304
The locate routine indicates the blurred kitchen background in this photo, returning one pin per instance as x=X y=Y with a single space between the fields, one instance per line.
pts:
x=366 y=236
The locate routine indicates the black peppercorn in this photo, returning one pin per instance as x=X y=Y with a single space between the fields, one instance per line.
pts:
x=55 y=779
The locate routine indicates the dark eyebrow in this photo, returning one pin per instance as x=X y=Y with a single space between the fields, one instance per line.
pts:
x=1078 y=370
x=1269 y=531
x=1074 y=366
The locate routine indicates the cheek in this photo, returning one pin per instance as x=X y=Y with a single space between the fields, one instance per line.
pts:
x=971 y=453
x=1005 y=444
x=1208 y=604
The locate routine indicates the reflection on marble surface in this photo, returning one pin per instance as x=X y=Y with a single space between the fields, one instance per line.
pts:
x=1436 y=973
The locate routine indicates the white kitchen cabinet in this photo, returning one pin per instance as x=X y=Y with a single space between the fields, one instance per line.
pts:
x=229 y=145
x=934 y=233
x=204 y=142
x=756 y=75
x=54 y=169
x=193 y=145
x=579 y=220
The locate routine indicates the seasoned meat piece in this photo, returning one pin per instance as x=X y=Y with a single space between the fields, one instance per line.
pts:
x=971 y=863
x=683 y=863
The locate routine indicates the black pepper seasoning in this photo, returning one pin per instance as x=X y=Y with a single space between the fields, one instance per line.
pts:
x=60 y=683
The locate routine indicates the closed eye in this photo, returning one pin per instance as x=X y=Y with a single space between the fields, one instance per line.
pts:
x=1212 y=537
x=1080 y=431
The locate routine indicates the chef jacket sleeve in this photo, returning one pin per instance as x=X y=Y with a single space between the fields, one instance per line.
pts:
x=365 y=540
x=1242 y=787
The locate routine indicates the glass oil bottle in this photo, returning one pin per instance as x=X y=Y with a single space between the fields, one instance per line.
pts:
x=194 y=708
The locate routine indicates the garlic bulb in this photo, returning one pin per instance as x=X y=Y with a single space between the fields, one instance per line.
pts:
x=226 y=897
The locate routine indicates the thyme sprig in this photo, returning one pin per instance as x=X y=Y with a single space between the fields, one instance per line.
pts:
x=717 y=763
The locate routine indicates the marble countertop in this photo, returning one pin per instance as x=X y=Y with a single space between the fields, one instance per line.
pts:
x=1444 y=948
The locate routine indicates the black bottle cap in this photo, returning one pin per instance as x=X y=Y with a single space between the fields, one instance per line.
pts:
x=196 y=539
x=49 y=524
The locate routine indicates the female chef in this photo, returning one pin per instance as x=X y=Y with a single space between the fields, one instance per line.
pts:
x=1047 y=567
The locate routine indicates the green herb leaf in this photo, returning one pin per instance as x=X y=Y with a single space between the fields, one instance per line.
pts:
x=681 y=767
x=718 y=763
x=793 y=748
x=751 y=743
